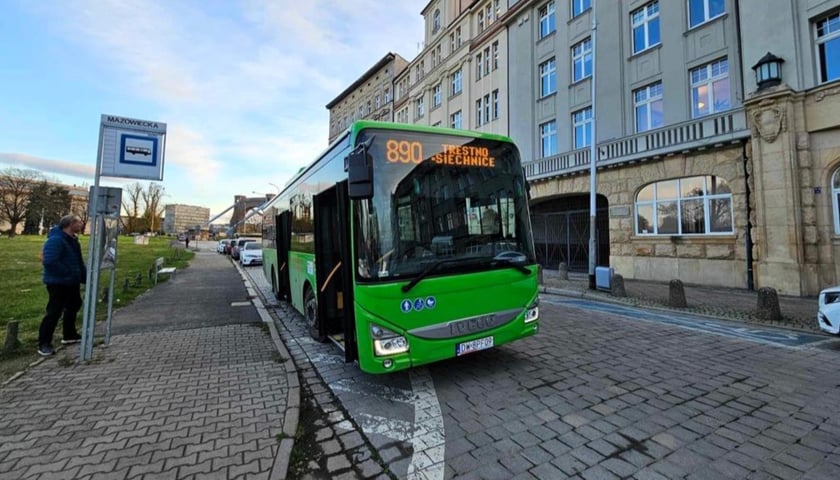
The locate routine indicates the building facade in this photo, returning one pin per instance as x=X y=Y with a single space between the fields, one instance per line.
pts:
x=179 y=218
x=700 y=174
x=370 y=97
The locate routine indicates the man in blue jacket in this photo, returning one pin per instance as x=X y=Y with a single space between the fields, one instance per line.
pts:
x=64 y=272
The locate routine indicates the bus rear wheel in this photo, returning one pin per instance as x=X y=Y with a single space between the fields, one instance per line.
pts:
x=310 y=309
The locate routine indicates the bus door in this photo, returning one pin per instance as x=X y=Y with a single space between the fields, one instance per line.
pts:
x=333 y=269
x=283 y=241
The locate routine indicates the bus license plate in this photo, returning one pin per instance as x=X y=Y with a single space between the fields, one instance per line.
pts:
x=473 y=346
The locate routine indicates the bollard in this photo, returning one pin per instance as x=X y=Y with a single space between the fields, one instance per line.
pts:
x=563 y=271
x=617 y=285
x=12 y=343
x=768 y=304
x=676 y=294
x=125 y=285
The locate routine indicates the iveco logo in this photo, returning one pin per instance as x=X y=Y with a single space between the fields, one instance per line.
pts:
x=474 y=324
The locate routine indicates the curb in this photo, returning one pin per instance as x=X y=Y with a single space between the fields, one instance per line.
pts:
x=280 y=466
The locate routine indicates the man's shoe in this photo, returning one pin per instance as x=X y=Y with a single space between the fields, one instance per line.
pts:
x=46 y=350
x=71 y=340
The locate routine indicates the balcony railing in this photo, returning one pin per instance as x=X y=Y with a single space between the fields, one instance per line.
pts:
x=711 y=131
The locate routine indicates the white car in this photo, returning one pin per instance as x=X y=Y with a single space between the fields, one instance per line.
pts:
x=220 y=248
x=828 y=316
x=251 y=254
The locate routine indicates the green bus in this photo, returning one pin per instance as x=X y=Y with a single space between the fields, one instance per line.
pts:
x=406 y=245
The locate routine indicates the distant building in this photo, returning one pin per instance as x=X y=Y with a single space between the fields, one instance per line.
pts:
x=181 y=218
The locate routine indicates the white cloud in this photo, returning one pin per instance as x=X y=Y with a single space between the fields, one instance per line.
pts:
x=59 y=167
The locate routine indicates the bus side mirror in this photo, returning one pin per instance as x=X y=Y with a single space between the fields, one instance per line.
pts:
x=359 y=174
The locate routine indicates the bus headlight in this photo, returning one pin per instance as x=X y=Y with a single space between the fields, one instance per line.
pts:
x=532 y=313
x=386 y=342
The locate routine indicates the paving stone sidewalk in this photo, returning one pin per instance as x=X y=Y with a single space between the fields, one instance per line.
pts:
x=203 y=396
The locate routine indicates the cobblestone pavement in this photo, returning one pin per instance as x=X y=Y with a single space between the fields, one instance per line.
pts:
x=197 y=393
x=726 y=303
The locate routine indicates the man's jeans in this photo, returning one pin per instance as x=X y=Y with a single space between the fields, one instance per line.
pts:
x=64 y=300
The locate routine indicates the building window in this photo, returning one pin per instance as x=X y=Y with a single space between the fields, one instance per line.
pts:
x=478 y=110
x=580 y=6
x=582 y=128
x=480 y=17
x=710 y=88
x=582 y=60
x=645 y=24
x=548 y=139
x=699 y=205
x=495 y=55
x=420 y=108
x=701 y=11
x=548 y=77
x=487 y=60
x=828 y=47
x=479 y=66
x=835 y=199
x=377 y=101
x=647 y=102
x=496 y=104
x=387 y=95
x=487 y=108
x=436 y=21
x=436 y=97
x=456 y=83
x=455 y=120
x=547 y=22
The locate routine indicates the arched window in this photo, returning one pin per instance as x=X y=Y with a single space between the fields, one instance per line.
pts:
x=835 y=199
x=436 y=21
x=685 y=206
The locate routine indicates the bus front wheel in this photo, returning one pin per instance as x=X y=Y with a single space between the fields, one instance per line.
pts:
x=310 y=308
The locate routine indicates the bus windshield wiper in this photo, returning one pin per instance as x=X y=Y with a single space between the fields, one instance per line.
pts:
x=513 y=264
x=429 y=269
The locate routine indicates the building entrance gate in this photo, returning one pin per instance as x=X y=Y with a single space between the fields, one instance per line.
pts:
x=564 y=237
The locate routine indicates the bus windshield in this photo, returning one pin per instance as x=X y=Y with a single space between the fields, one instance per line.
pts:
x=440 y=197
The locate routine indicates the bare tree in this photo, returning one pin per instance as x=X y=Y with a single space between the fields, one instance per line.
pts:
x=131 y=197
x=152 y=197
x=15 y=184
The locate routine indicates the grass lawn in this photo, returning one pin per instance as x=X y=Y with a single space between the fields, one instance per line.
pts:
x=24 y=296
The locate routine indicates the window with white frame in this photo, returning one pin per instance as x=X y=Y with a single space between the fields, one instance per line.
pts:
x=419 y=107
x=547 y=21
x=835 y=200
x=478 y=110
x=452 y=46
x=645 y=24
x=580 y=6
x=701 y=11
x=828 y=47
x=455 y=120
x=582 y=128
x=548 y=139
x=548 y=77
x=647 y=103
x=455 y=84
x=582 y=60
x=700 y=205
x=387 y=95
x=480 y=21
x=496 y=104
x=377 y=103
x=487 y=60
x=487 y=108
x=479 y=66
x=436 y=96
x=710 y=88
x=436 y=21
x=495 y=55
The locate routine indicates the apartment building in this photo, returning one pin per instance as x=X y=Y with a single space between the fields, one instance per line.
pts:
x=179 y=218
x=370 y=97
x=712 y=124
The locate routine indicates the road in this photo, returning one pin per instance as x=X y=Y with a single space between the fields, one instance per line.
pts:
x=603 y=391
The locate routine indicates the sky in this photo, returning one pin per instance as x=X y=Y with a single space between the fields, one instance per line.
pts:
x=241 y=84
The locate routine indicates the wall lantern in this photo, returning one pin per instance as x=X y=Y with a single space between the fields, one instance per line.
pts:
x=768 y=71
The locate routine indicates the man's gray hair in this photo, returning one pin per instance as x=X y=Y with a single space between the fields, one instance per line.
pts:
x=67 y=220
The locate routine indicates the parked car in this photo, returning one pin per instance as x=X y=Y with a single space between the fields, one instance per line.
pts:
x=251 y=254
x=223 y=244
x=828 y=316
x=237 y=244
